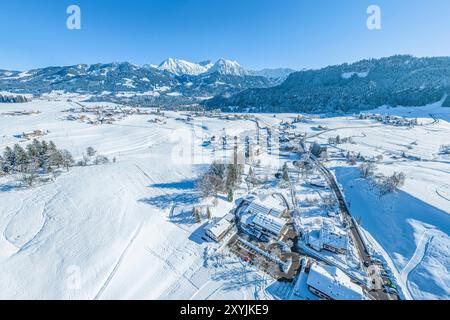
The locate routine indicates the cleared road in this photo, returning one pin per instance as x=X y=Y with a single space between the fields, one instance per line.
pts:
x=364 y=255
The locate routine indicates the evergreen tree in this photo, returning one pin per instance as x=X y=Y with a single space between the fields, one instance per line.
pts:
x=230 y=197
x=20 y=158
x=52 y=146
x=9 y=159
x=285 y=172
x=196 y=215
x=208 y=213
x=2 y=166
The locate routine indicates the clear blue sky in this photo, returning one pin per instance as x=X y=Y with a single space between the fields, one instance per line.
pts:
x=257 y=33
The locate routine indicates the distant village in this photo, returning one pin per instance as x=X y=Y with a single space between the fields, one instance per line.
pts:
x=389 y=120
x=98 y=115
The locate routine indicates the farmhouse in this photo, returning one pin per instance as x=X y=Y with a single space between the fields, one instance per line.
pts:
x=330 y=283
x=34 y=134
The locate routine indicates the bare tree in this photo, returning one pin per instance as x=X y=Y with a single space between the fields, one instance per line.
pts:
x=209 y=185
x=90 y=152
x=67 y=159
x=392 y=183
x=208 y=213
x=100 y=159
x=285 y=172
x=367 y=169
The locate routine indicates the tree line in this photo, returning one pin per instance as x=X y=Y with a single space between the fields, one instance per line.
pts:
x=13 y=99
x=38 y=157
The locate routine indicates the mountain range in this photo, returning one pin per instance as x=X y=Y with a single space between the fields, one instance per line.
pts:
x=173 y=82
x=400 y=80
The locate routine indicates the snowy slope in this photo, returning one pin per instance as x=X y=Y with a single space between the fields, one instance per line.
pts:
x=412 y=225
x=112 y=231
x=414 y=233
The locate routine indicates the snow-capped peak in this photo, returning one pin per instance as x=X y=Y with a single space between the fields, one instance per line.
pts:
x=183 y=67
x=207 y=64
x=227 y=67
x=180 y=67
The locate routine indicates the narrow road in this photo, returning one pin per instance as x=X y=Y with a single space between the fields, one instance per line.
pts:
x=283 y=198
x=364 y=255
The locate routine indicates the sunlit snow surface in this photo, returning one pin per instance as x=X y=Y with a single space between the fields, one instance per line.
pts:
x=123 y=230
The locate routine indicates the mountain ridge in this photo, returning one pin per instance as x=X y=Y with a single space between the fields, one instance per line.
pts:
x=174 y=82
x=400 y=80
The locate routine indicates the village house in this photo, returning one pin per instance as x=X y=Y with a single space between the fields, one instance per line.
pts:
x=34 y=134
x=333 y=240
x=218 y=230
x=331 y=283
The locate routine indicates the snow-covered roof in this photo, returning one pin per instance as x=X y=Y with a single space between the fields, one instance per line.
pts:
x=219 y=228
x=268 y=222
x=337 y=238
x=229 y=217
x=257 y=207
x=334 y=283
x=314 y=240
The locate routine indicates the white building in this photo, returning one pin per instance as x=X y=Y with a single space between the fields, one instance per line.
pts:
x=219 y=230
x=263 y=225
x=331 y=283
x=334 y=240
x=257 y=207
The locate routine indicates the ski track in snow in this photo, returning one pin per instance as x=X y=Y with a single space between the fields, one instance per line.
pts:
x=116 y=267
x=417 y=257
x=441 y=195
x=45 y=218
x=171 y=266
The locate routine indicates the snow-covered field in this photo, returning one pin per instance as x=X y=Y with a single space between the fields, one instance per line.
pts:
x=124 y=230
x=412 y=225
x=107 y=231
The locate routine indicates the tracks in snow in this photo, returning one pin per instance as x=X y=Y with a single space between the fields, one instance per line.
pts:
x=116 y=267
x=172 y=267
x=417 y=257
x=440 y=194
